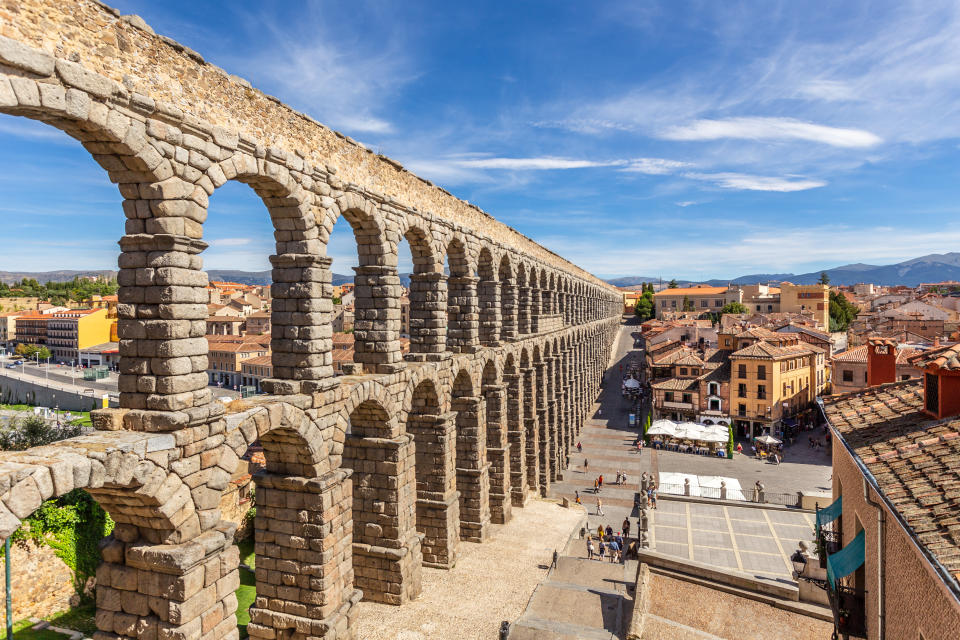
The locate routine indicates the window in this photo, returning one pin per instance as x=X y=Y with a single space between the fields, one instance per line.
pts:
x=673 y=303
x=758 y=307
x=932 y=393
x=714 y=405
x=741 y=390
x=683 y=371
x=718 y=303
x=713 y=389
x=694 y=371
x=688 y=398
x=762 y=391
x=762 y=371
x=905 y=376
x=741 y=409
x=704 y=303
x=668 y=396
x=741 y=371
x=847 y=375
x=769 y=307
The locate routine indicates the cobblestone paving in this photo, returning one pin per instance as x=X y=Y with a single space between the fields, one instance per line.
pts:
x=490 y=582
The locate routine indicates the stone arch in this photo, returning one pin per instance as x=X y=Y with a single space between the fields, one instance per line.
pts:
x=386 y=546
x=489 y=292
x=508 y=298
x=427 y=323
x=462 y=304
x=473 y=481
x=370 y=391
x=293 y=444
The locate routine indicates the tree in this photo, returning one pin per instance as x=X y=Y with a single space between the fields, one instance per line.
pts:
x=43 y=353
x=730 y=443
x=842 y=312
x=688 y=304
x=34 y=431
x=672 y=284
x=733 y=307
x=644 y=309
x=824 y=278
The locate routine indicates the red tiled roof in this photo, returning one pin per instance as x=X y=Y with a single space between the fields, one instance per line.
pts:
x=914 y=459
x=946 y=357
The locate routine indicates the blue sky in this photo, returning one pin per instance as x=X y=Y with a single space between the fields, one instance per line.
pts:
x=691 y=139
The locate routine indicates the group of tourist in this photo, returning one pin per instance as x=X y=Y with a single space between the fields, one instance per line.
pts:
x=609 y=544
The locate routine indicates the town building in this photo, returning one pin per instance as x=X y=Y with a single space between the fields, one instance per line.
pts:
x=226 y=355
x=65 y=331
x=774 y=380
x=698 y=298
x=258 y=323
x=254 y=370
x=892 y=537
x=101 y=355
x=849 y=369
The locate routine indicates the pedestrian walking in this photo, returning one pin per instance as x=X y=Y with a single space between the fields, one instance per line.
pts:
x=556 y=556
x=599 y=507
x=577 y=497
x=600 y=531
x=596 y=486
x=589 y=548
x=601 y=550
x=652 y=495
x=601 y=480
x=626 y=527
x=585 y=465
x=579 y=447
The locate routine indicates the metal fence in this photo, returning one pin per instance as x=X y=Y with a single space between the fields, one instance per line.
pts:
x=738 y=495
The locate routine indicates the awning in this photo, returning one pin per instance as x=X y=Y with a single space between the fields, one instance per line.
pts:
x=831 y=513
x=847 y=560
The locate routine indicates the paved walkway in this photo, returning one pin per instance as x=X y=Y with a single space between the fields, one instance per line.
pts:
x=491 y=582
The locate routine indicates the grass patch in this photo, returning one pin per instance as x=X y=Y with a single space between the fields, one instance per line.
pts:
x=247 y=556
x=82 y=619
x=245 y=597
x=22 y=631
x=80 y=417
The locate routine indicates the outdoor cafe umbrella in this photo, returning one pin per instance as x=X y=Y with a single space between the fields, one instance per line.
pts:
x=631 y=383
x=768 y=440
x=662 y=428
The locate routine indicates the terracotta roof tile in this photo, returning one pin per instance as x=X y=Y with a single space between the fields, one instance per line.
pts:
x=915 y=459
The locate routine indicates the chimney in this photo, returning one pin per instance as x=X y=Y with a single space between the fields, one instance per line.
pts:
x=941 y=381
x=881 y=361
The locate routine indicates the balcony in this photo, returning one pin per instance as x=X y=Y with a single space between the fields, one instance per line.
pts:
x=849 y=611
x=677 y=405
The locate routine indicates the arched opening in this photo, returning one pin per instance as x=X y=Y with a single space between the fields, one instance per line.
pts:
x=366 y=323
x=530 y=417
x=386 y=546
x=516 y=432
x=462 y=311
x=238 y=324
x=423 y=312
x=438 y=507
x=523 y=300
x=536 y=298
x=498 y=444
x=489 y=297
x=508 y=300
x=473 y=479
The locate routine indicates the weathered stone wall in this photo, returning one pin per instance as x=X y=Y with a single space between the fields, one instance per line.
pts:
x=368 y=476
x=41 y=583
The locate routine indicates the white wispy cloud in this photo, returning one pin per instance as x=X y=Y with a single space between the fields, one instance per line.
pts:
x=745 y=182
x=654 y=166
x=337 y=74
x=759 y=128
x=544 y=163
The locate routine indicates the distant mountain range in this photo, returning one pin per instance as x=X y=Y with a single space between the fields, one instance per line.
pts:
x=936 y=267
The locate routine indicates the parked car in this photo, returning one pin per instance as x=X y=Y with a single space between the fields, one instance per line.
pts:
x=12 y=365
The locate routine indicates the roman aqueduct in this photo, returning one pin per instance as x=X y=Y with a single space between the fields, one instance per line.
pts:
x=369 y=476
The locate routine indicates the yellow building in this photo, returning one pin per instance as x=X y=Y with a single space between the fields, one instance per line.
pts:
x=70 y=331
x=813 y=298
x=773 y=385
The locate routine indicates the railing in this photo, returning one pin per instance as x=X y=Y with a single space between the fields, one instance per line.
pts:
x=676 y=405
x=725 y=493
